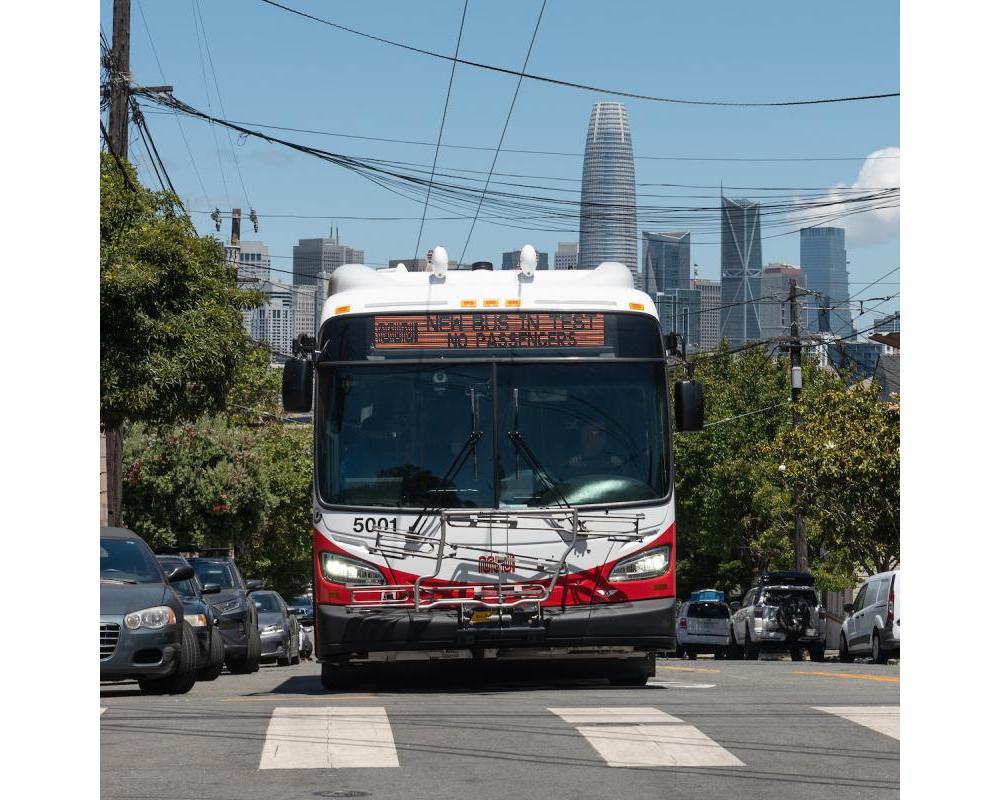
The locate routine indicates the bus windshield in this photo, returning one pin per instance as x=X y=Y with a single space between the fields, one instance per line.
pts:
x=446 y=435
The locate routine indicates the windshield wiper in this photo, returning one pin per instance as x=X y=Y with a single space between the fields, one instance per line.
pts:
x=449 y=475
x=521 y=446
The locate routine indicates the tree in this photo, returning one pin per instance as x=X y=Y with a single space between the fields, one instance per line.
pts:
x=844 y=460
x=172 y=336
x=733 y=509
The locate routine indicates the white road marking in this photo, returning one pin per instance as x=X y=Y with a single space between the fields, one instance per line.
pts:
x=883 y=719
x=328 y=738
x=103 y=709
x=657 y=740
x=657 y=746
x=678 y=685
x=577 y=716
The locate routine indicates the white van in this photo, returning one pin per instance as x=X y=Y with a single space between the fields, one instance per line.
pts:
x=872 y=623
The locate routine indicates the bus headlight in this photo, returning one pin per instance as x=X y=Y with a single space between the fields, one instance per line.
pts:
x=341 y=569
x=649 y=564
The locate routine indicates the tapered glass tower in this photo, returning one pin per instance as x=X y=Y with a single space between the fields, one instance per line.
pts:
x=741 y=271
x=607 y=196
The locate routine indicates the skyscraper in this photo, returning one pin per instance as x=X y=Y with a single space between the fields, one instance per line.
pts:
x=567 y=255
x=741 y=268
x=607 y=195
x=709 y=293
x=312 y=256
x=775 y=311
x=824 y=259
x=253 y=262
x=666 y=261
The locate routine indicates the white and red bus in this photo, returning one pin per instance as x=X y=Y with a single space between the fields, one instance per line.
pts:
x=492 y=468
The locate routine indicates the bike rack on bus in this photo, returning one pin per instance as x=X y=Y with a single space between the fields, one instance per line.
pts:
x=494 y=595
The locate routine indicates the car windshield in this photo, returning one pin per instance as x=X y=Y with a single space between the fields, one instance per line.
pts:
x=708 y=611
x=302 y=601
x=266 y=602
x=187 y=588
x=128 y=560
x=425 y=435
x=213 y=572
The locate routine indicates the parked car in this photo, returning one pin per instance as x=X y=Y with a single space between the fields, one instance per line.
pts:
x=279 y=629
x=305 y=644
x=713 y=595
x=302 y=608
x=236 y=613
x=704 y=626
x=198 y=613
x=872 y=625
x=782 y=613
x=143 y=632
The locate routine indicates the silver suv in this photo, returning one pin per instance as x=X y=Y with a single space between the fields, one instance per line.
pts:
x=782 y=614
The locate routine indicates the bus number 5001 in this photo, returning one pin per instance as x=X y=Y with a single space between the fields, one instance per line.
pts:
x=373 y=524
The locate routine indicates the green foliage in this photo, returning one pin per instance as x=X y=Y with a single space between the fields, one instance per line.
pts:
x=844 y=461
x=172 y=336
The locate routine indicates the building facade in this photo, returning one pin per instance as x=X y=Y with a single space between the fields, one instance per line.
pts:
x=273 y=323
x=253 y=263
x=823 y=256
x=774 y=309
x=666 y=261
x=741 y=271
x=312 y=256
x=709 y=300
x=305 y=310
x=607 y=195
x=513 y=257
x=888 y=324
x=679 y=311
x=567 y=255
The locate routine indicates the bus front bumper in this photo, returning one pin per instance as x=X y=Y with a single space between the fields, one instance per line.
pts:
x=644 y=625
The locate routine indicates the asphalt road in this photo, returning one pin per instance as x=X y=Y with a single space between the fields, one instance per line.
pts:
x=700 y=729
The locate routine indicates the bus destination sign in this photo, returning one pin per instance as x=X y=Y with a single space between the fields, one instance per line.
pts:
x=485 y=330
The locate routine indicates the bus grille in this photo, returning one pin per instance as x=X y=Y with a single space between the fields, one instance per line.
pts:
x=109 y=640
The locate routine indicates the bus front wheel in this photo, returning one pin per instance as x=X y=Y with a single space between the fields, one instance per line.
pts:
x=339 y=676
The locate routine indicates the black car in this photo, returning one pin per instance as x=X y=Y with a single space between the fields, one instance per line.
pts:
x=302 y=608
x=143 y=632
x=198 y=613
x=279 y=629
x=235 y=612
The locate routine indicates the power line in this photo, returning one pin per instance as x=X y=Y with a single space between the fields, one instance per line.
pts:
x=208 y=97
x=503 y=133
x=747 y=414
x=583 y=86
x=118 y=161
x=444 y=115
x=758 y=159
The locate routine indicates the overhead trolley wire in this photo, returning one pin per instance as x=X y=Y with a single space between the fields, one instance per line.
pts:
x=583 y=86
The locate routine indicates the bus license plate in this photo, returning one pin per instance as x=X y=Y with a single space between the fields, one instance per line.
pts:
x=481 y=615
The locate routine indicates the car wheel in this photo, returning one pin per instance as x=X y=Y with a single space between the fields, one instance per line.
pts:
x=691 y=656
x=251 y=661
x=286 y=660
x=751 y=651
x=735 y=652
x=186 y=673
x=879 y=653
x=216 y=658
x=796 y=654
x=339 y=676
x=679 y=652
x=817 y=652
x=845 y=654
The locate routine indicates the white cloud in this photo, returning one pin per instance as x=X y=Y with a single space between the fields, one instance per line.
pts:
x=880 y=171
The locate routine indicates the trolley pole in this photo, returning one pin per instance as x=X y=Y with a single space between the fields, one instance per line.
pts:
x=795 y=366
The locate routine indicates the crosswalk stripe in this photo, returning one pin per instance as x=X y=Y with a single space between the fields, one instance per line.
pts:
x=577 y=716
x=328 y=738
x=883 y=719
x=657 y=739
x=103 y=709
x=657 y=746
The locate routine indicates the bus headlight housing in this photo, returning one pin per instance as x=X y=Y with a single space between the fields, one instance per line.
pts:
x=648 y=564
x=340 y=569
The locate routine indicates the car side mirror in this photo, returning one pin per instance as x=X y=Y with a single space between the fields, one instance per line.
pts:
x=849 y=608
x=253 y=585
x=297 y=385
x=181 y=573
x=211 y=588
x=689 y=406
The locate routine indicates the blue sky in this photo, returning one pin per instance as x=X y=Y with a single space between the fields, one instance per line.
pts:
x=275 y=68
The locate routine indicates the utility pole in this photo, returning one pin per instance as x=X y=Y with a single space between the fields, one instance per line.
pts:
x=119 y=79
x=795 y=365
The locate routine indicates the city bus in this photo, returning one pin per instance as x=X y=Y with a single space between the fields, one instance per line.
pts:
x=492 y=468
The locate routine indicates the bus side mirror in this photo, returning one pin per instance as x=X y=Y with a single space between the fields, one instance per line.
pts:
x=297 y=385
x=689 y=406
